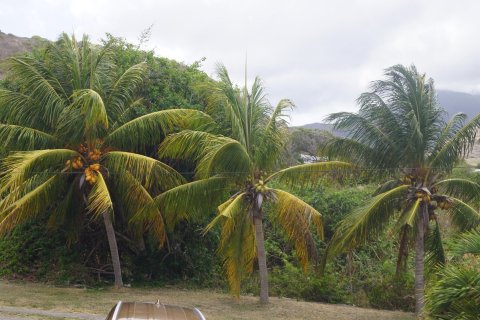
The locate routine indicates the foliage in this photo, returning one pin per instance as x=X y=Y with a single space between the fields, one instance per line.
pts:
x=75 y=141
x=237 y=171
x=31 y=252
x=400 y=130
x=455 y=293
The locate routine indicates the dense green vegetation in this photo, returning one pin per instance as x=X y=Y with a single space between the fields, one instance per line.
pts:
x=85 y=128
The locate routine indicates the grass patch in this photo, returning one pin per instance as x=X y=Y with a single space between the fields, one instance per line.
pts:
x=215 y=305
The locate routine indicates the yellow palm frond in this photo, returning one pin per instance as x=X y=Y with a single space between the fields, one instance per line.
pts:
x=150 y=172
x=99 y=200
x=20 y=166
x=32 y=203
x=138 y=204
x=296 y=218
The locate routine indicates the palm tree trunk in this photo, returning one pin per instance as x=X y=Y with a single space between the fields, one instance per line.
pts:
x=262 y=259
x=419 y=262
x=112 y=242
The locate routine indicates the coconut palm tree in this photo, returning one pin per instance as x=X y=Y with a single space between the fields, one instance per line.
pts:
x=73 y=141
x=401 y=131
x=234 y=173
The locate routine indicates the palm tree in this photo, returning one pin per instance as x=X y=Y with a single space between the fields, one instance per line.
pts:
x=73 y=141
x=400 y=131
x=235 y=174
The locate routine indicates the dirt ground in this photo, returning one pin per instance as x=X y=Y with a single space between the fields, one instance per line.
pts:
x=81 y=303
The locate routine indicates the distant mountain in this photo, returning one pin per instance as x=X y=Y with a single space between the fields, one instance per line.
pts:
x=454 y=102
x=11 y=45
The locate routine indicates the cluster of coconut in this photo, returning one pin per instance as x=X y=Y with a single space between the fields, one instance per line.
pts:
x=91 y=173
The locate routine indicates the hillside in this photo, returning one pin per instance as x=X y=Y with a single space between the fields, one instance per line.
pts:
x=11 y=45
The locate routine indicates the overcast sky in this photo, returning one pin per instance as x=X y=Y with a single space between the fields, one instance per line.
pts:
x=321 y=54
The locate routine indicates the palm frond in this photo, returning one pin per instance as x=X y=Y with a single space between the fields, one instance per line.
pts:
x=468 y=242
x=310 y=173
x=148 y=171
x=86 y=118
x=409 y=214
x=18 y=138
x=296 y=218
x=151 y=129
x=457 y=146
x=463 y=215
x=69 y=212
x=197 y=199
x=366 y=222
x=45 y=90
x=99 y=200
x=214 y=154
x=464 y=189
x=237 y=243
x=455 y=295
x=17 y=108
x=271 y=141
x=20 y=166
x=229 y=209
x=33 y=203
x=435 y=254
x=124 y=89
x=389 y=185
x=135 y=200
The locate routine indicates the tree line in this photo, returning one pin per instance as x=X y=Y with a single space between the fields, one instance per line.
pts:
x=83 y=139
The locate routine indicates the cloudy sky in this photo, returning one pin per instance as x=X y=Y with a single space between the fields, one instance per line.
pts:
x=321 y=54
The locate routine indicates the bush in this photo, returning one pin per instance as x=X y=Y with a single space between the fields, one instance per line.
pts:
x=30 y=252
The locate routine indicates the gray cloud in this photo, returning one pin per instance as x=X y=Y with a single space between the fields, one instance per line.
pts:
x=321 y=54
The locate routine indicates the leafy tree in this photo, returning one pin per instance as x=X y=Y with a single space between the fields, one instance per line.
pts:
x=400 y=130
x=74 y=141
x=234 y=173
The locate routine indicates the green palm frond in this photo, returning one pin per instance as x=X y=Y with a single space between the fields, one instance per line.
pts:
x=16 y=108
x=17 y=138
x=124 y=88
x=148 y=171
x=33 y=203
x=135 y=200
x=233 y=100
x=87 y=112
x=99 y=200
x=464 y=189
x=271 y=140
x=435 y=254
x=150 y=129
x=296 y=218
x=197 y=199
x=458 y=145
x=409 y=214
x=463 y=215
x=389 y=185
x=355 y=152
x=13 y=194
x=366 y=222
x=20 y=166
x=468 y=242
x=69 y=213
x=45 y=89
x=310 y=173
x=455 y=295
x=214 y=154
